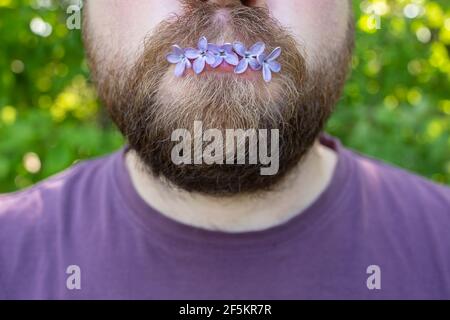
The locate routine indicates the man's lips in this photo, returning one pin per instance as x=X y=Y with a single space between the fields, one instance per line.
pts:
x=225 y=69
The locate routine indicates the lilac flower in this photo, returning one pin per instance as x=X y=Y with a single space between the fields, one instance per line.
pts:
x=236 y=55
x=179 y=58
x=249 y=57
x=224 y=52
x=269 y=64
x=201 y=55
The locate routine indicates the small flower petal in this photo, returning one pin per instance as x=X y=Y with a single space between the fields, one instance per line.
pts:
x=218 y=62
x=232 y=59
x=257 y=49
x=180 y=68
x=203 y=44
x=241 y=67
x=188 y=63
x=254 y=64
x=228 y=47
x=274 y=54
x=210 y=58
x=191 y=53
x=274 y=66
x=267 y=74
x=173 y=58
x=240 y=49
x=261 y=58
x=214 y=48
x=199 y=65
x=176 y=49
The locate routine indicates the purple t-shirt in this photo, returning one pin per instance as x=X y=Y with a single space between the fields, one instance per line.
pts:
x=375 y=232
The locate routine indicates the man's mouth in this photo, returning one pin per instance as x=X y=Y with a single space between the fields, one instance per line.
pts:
x=225 y=58
x=224 y=69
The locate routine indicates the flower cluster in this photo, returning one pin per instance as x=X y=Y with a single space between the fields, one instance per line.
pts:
x=235 y=54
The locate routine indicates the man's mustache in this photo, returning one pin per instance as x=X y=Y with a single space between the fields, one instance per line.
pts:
x=223 y=21
x=214 y=3
x=207 y=9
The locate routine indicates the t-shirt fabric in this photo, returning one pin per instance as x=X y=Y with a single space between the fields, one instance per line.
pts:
x=376 y=232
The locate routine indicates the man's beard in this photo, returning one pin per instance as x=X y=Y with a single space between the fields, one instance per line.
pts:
x=148 y=103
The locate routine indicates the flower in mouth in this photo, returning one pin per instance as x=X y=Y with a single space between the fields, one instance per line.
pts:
x=233 y=54
x=249 y=57
x=179 y=58
x=269 y=64
x=201 y=55
x=224 y=52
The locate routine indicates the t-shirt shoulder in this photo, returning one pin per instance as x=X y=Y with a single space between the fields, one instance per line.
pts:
x=399 y=177
x=34 y=221
x=29 y=204
x=388 y=186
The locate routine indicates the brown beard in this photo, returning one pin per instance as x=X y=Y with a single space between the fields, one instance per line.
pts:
x=147 y=103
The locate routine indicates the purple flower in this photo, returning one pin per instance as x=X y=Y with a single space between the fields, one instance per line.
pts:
x=269 y=64
x=233 y=54
x=224 y=52
x=179 y=58
x=201 y=55
x=249 y=57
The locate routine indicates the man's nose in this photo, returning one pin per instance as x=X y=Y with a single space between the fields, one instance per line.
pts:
x=248 y=3
x=224 y=3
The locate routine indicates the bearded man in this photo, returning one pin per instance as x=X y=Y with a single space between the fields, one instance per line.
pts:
x=171 y=217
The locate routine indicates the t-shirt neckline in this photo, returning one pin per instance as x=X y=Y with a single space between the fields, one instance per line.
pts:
x=155 y=223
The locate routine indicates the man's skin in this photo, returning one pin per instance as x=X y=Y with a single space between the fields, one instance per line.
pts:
x=240 y=213
x=317 y=25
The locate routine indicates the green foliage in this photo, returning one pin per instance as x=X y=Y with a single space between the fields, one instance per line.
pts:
x=49 y=114
x=396 y=104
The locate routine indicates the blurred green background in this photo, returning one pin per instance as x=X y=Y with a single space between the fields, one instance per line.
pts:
x=396 y=104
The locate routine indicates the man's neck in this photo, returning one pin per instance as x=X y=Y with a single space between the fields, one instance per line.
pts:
x=239 y=213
